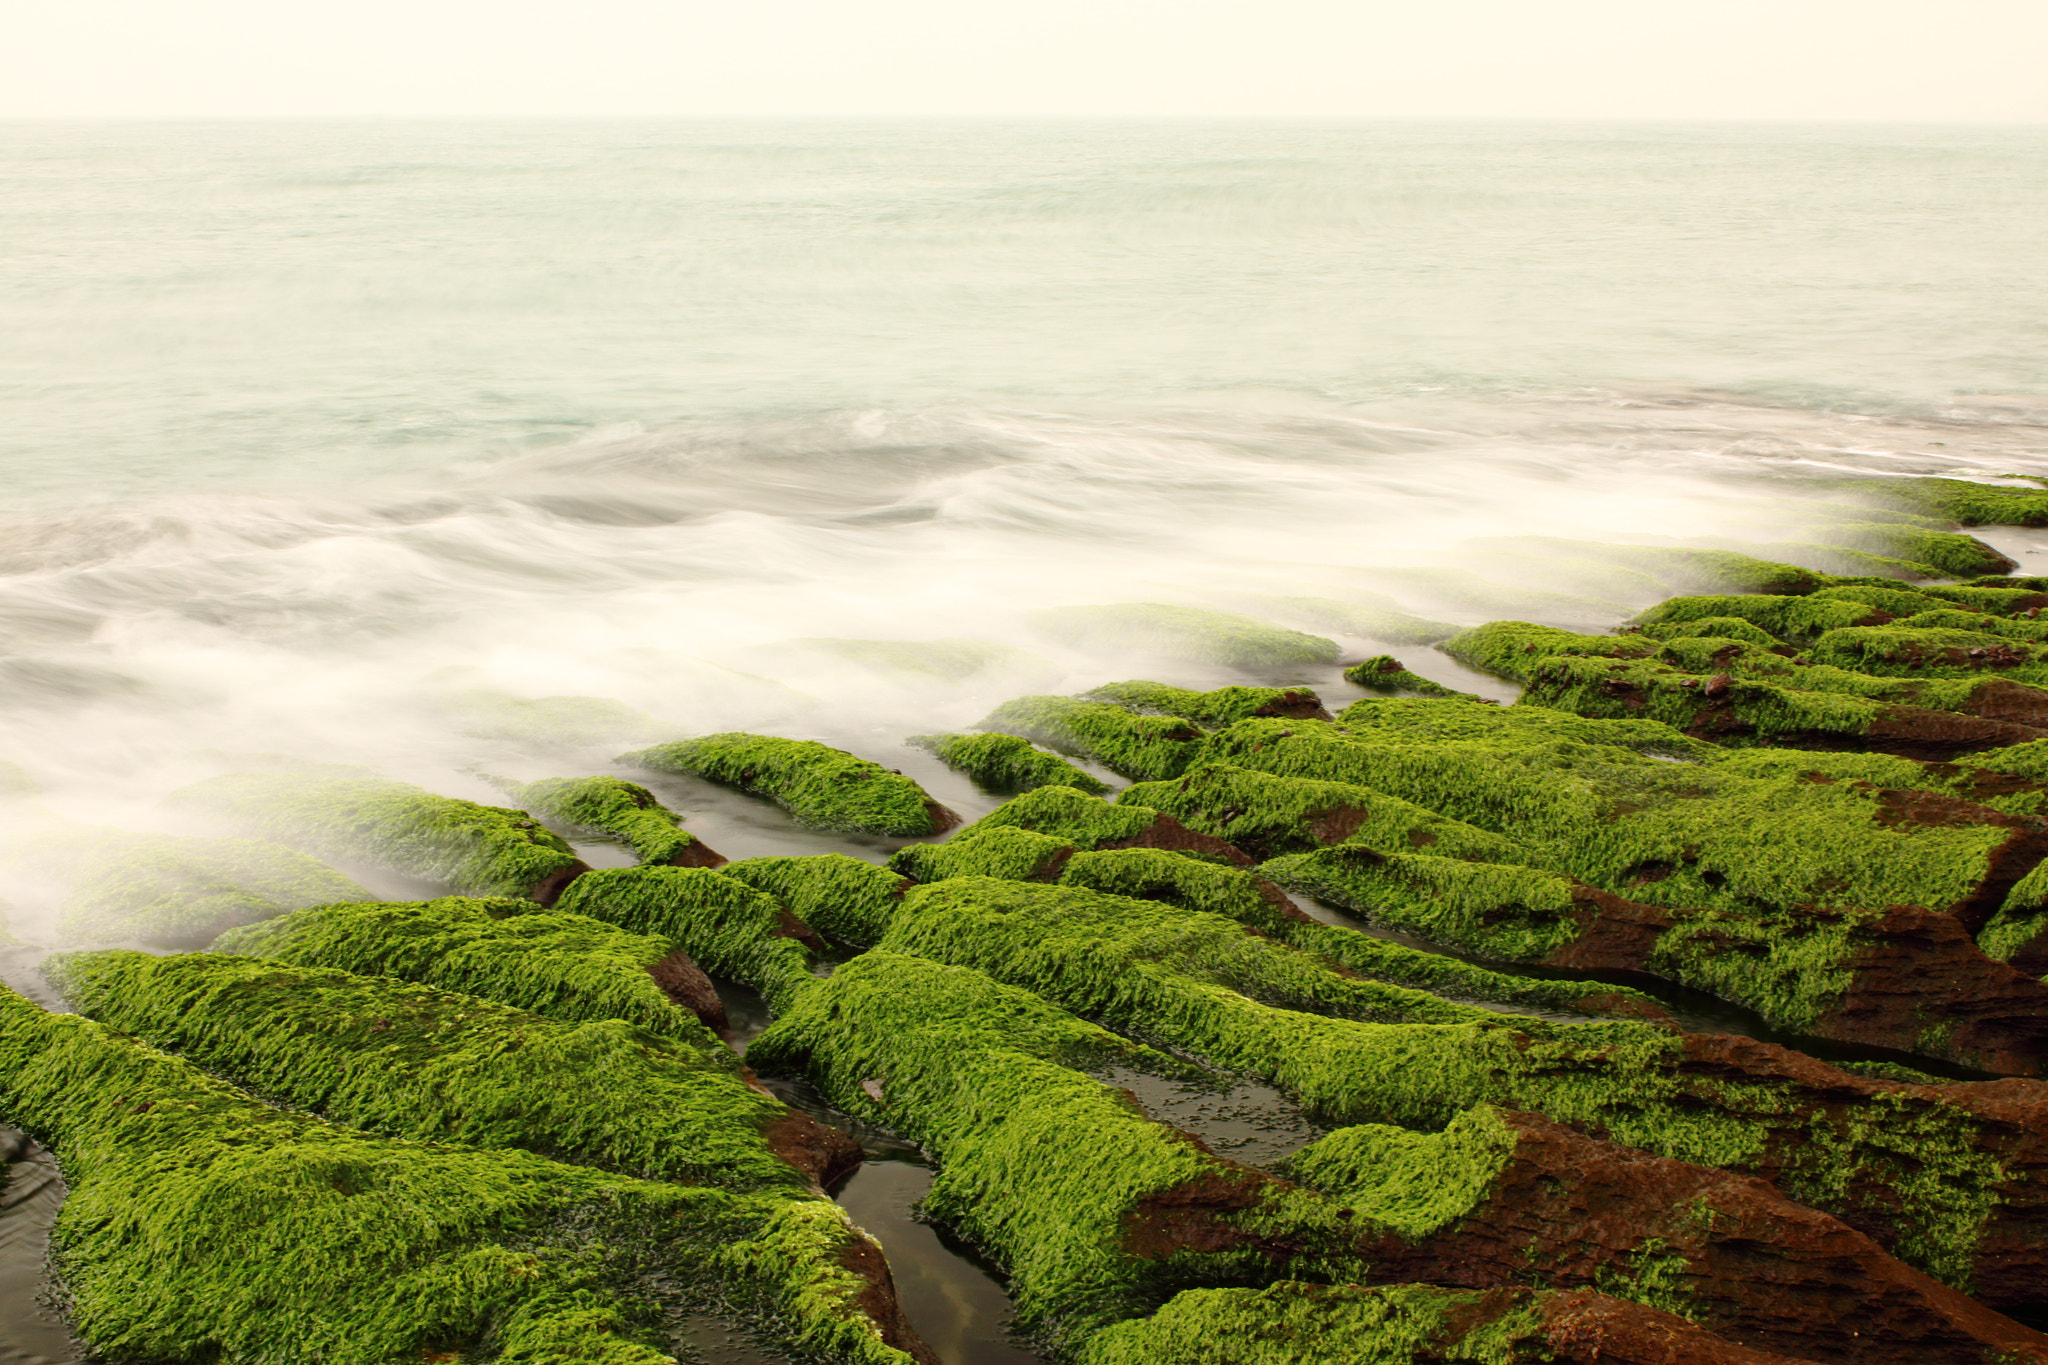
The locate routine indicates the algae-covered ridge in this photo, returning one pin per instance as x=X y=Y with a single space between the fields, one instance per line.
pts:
x=472 y=849
x=625 y=810
x=816 y=783
x=203 y=1224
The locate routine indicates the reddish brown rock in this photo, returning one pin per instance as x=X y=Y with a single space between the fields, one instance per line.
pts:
x=1743 y=1260
x=824 y=1154
x=684 y=982
x=549 y=889
x=1589 y=1328
x=1170 y=834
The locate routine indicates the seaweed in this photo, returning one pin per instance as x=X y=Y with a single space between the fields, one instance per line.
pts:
x=1268 y=815
x=205 y=1226
x=999 y=851
x=474 y=850
x=1384 y=673
x=1957 y=500
x=1188 y=634
x=1209 y=709
x=819 y=785
x=851 y=900
x=413 y=1061
x=568 y=967
x=1006 y=763
x=1794 y=619
x=1139 y=747
x=178 y=893
x=731 y=929
x=625 y=810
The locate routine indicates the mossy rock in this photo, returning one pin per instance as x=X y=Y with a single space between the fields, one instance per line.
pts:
x=568 y=967
x=929 y=661
x=1188 y=634
x=851 y=900
x=472 y=849
x=202 y=1224
x=1000 y=851
x=1385 y=673
x=819 y=785
x=728 y=927
x=1797 y=620
x=625 y=810
x=1212 y=709
x=553 y=722
x=179 y=893
x=1006 y=763
x=1956 y=500
x=1139 y=747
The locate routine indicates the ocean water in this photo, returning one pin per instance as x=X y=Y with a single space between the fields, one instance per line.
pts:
x=315 y=434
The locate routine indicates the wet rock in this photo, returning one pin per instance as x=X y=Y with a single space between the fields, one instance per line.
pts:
x=1211 y=709
x=1189 y=634
x=625 y=810
x=1006 y=763
x=816 y=783
x=1089 y=823
x=1139 y=747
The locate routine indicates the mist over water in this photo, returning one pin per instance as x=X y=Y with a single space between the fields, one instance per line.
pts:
x=317 y=433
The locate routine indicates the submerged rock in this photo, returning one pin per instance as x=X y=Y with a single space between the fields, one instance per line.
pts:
x=816 y=783
x=1187 y=634
x=176 y=892
x=1006 y=763
x=475 y=850
x=625 y=810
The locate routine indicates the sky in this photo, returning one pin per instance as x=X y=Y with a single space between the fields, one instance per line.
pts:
x=1879 y=60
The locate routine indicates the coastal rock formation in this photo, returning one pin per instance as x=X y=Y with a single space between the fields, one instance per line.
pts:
x=816 y=783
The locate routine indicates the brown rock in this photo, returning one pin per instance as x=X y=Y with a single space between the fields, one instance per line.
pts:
x=824 y=1154
x=879 y=1301
x=549 y=890
x=1585 y=1327
x=1170 y=834
x=684 y=982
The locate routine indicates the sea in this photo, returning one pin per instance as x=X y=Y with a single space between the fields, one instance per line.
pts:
x=316 y=437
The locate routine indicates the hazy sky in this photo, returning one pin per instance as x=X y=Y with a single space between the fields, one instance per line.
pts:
x=1772 y=59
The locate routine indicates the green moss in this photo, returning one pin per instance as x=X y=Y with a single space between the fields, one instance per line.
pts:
x=1959 y=556
x=1739 y=710
x=2029 y=760
x=412 y=1061
x=1962 y=618
x=1508 y=913
x=476 y=850
x=1384 y=673
x=1269 y=815
x=1372 y=617
x=1919 y=1171
x=1248 y=898
x=1717 y=627
x=1418 y=1182
x=1188 y=634
x=851 y=900
x=1043 y=1167
x=1000 y=851
x=202 y=1226
x=731 y=929
x=1208 y=709
x=1795 y=619
x=567 y=967
x=1513 y=649
x=1006 y=763
x=1899 y=651
x=1464 y=590
x=2021 y=918
x=1958 y=500
x=1131 y=961
x=625 y=810
x=816 y=783
x=2000 y=597
x=1082 y=820
x=1292 y=1323
x=179 y=893
x=1892 y=598
x=1139 y=747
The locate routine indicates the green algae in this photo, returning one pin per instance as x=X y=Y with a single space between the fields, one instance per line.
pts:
x=731 y=929
x=1793 y=619
x=614 y=806
x=407 y=1060
x=1958 y=556
x=203 y=1226
x=819 y=785
x=837 y=895
x=1384 y=673
x=1208 y=709
x=1006 y=763
x=1187 y=634
x=1900 y=651
x=568 y=967
x=1000 y=851
x=1417 y=1182
x=946 y=660
x=1295 y=1323
x=179 y=893
x=1082 y=820
x=1043 y=1167
x=1499 y=911
x=474 y=850
x=1958 y=500
x=1139 y=747
x=1245 y=896
x=1268 y=815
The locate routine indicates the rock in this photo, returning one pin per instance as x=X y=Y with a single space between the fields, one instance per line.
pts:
x=816 y=783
